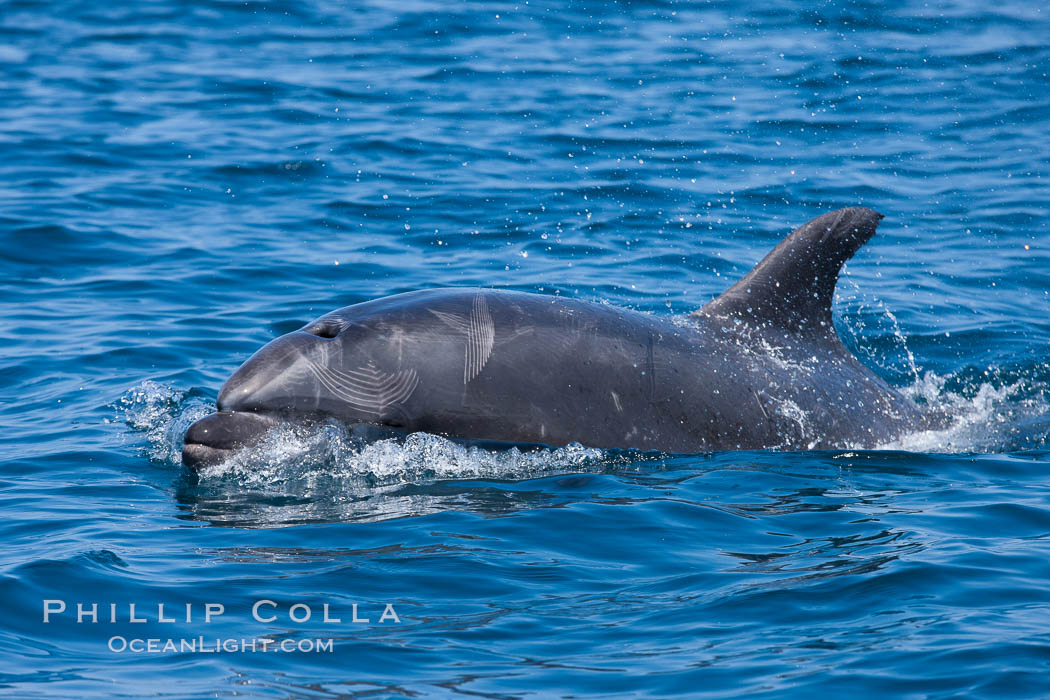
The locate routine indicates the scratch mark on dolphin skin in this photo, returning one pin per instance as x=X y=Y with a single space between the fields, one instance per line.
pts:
x=650 y=366
x=457 y=322
x=368 y=389
x=761 y=406
x=480 y=332
x=616 y=401
x=481 y=336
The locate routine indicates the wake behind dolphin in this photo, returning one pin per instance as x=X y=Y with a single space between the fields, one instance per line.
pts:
x=761 y=366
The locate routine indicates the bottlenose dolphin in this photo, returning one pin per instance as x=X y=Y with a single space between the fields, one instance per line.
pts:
x=759 y=367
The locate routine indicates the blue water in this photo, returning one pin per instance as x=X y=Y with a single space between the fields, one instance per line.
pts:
x=183 y=181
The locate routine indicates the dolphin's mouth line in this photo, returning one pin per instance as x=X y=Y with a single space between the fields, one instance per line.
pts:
x=212 y=439
x=198 y=456
x=215 y=438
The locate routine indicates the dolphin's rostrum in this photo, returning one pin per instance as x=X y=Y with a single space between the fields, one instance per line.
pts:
x=759 y=367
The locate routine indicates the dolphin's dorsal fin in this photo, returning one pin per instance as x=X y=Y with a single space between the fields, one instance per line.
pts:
x=792 y=287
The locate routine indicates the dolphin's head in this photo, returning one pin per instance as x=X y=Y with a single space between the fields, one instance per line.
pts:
x=328 y=369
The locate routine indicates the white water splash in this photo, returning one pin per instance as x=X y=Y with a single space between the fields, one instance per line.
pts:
x=164 y=414
x=885 y=324
x=988 y=419
x=296 y=453
x=329 y=451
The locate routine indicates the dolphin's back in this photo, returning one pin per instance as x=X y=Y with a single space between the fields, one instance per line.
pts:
x=517 y=367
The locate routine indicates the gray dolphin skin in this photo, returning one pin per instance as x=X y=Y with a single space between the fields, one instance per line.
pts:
x=759 y=367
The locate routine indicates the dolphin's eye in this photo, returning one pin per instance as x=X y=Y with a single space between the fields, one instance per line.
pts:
x=326 y=328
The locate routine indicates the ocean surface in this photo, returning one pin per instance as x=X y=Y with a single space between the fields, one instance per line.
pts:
x=181 y=182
